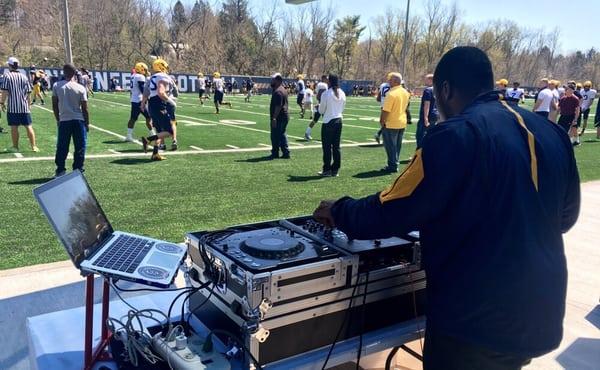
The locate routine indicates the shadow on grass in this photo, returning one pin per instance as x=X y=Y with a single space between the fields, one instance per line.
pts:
x=370 y=174
x=265 y=158
x=591 y=141
x=131 y=161
x=41 y=180
x=293 y=178
x=134 y=150
x=113 y=141
x=374 y=145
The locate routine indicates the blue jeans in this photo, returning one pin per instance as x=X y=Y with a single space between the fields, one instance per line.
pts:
x=392 y=142
x=66 y=130
x=422 y=130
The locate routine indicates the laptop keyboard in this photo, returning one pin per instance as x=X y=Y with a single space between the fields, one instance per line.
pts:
x=125 y=254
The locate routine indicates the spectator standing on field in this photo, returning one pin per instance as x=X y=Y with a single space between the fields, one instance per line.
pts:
x=69 y=103
x=279 y=118
x=393 y=121
x=333 y=102
x=428 y=114
x=568 y=106
x=544 y=100
x=17 y=89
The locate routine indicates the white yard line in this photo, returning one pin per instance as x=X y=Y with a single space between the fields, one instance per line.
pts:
x=218 y=123
x=349 y=141
x=179 y=152
x=265 y=145
x=18 y=155
x=232 y=146
x=99 y=128
x=195 y=147
x=114 y=151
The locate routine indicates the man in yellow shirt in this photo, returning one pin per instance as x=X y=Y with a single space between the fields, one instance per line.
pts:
x=393 y=121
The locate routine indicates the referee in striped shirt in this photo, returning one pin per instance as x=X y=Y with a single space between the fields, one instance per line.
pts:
x=16 y=88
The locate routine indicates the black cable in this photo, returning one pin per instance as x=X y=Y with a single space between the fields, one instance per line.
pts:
x=390 y=357
x=179 y=295
x=239 y=341
x=346 y=316
x=362 y=321
x=187 y=320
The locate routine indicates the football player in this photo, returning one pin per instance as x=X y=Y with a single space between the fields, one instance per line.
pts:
x=201 y=87
x=249 y=87
x=381 y=93
x=160 y=87
x=319 y=90
x=219 y=85
x=308 y=101
x=36 y=82
x=136 y=86
x=300 y=86
x=171 y=112
x=515 y=95
x=587 y=95
x=501 y=85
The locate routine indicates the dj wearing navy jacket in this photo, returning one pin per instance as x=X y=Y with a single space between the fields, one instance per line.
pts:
x=492 y=190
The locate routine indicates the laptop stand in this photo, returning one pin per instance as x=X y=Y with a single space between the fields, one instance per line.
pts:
x=91 y=356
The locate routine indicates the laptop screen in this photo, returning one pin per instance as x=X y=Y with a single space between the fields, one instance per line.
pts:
x=75 y=215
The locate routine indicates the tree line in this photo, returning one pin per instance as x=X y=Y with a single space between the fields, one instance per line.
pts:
x=258 y=38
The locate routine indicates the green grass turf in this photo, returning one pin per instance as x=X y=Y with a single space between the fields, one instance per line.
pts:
x=199 y=191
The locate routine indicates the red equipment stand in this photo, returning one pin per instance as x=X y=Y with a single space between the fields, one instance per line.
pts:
x=91 y=356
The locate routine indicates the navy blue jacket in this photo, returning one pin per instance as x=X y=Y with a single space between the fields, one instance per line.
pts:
x=491 y=191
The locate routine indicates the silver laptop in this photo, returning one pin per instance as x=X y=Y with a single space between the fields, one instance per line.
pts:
x=94 y=247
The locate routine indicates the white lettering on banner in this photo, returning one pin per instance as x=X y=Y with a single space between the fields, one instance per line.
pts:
x=102 y=79
x=182 y=83
x=125 y=77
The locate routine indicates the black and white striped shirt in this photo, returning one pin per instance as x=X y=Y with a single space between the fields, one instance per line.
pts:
x=18 y=87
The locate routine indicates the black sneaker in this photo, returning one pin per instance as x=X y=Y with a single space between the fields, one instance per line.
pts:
x=1 y=129
x=174 y=146
x=285 y=156
x=162 y=147
x=324 y=173
x=389 y=170
x=335 y=173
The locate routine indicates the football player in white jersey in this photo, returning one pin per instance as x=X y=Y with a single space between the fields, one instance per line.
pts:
x=587 y=99
x=308 y=101
x=300 y=87
x=201 y=87
x=553 y=86
x=160 y=86
x=322 y=86
x=136 y=85
x=381 y=93
x=219 y=86
x=515 y=95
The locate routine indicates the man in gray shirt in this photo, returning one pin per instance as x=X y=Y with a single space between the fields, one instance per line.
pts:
x=69 y=103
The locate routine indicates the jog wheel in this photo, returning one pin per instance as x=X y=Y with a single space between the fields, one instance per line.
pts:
x=272 y=247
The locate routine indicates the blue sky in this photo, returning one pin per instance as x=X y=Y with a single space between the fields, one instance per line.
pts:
x=568 y=16
x=574 y=19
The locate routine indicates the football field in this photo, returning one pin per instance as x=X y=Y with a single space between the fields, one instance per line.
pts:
x=216 y=178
